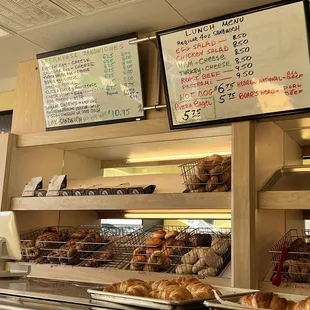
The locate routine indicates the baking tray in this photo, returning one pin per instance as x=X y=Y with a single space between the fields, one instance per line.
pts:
x=290 y=178
x=231 y=302
x=160 y=304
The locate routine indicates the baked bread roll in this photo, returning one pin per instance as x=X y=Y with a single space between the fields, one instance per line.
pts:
x=207 y=272
x=165 y=247
x=200 y=171
x=190 y=258
x=139 y=251
x=160 y=285
x=137 y=262
x=113 y=288
x=171 y=234
x=184 y=281
x=79 y=235
x=156 y=262
x=156 y=242
x=125 y=285
x=268 y=301
x=220 y=245
x=140 y=290
x=150 y=251
x=302 y=305
x=184 y=269
x=211 y=259
x=201 y=290
x=159 y=234
x=173 y=292
x=193 y=183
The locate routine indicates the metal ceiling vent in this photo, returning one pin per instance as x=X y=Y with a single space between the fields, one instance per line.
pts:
x=20 y=15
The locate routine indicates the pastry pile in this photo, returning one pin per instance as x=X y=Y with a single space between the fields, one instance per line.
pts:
x=179 y=289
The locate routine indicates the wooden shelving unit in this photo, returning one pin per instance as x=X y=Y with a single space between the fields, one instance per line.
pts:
x=98 y=275
x=154 y=202
x=284 y=200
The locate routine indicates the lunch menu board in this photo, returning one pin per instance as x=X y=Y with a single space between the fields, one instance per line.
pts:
x=246 y=65
x=92 y=84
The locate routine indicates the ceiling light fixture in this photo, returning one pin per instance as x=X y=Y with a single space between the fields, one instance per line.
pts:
x=172 y=157
x=176 y=216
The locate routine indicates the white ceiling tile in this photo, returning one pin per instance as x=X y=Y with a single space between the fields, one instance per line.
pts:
x=16 y=50
x=142 y=16
x=197 y=10
x=18 y=15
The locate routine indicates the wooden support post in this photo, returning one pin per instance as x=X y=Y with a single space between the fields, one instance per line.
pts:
x=6 y=145
x=243 y=205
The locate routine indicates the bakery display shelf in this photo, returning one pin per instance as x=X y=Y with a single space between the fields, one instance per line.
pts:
x=296 y=267
x=152 y=130
x=67 y=244
x=284 y=200
x=206 y=201
x=150 y=251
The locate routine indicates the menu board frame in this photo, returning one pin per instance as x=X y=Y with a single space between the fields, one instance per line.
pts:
x=133 y=36
x=218 y=19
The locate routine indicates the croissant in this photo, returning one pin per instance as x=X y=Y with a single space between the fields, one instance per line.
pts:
x=173 y=292
x=272 y=301
x=201 y=290
x=302 y=305
x=141 y=290
x=184 y=281
x=113 y=288
x=125 y=285
x=160 y=285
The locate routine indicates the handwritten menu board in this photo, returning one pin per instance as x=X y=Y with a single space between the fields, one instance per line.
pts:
x=92 y=84
x=247 y=65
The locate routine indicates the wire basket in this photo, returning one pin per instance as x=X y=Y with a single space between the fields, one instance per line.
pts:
x=146 y=251
x=209 y=174
x=296 y=268
x=78 y=241
x=122 y=253
x=36 y=244
x=208 y=253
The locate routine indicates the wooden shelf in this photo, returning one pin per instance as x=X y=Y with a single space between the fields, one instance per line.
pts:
x=284 y=200
x=268 y=287
x=214 y=201
x=101 y=275
x=116 y=134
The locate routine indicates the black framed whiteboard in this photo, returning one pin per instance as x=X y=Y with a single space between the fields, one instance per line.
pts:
x=246 y=65
x=92 y=84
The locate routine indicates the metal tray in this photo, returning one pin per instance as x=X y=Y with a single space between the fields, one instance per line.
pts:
x=231 y=302
x=289 y=178
x=161 y=304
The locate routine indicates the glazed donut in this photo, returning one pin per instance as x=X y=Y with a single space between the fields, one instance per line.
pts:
x=159 y=234
x=171 y=234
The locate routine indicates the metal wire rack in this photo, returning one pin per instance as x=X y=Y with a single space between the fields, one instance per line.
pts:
x=71 y=243
x=209 y=174
x=296 y=268
x=139 y=252
x=209 y=252
x=119 y=254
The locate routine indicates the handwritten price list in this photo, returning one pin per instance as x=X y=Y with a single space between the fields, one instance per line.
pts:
x=100 y=84
x=229 y=69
